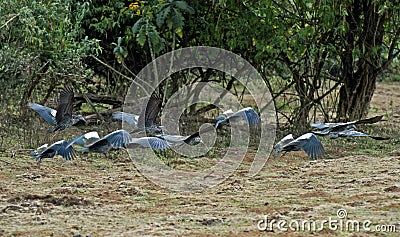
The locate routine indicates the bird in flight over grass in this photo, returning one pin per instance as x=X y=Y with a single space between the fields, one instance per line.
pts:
x=147 y=117
x=112 y=141
x=61 y=118
x=247 y=114
x=122 y=139
x=62 y=148
x=307 y=142
x=154 y=143
x=323 y=129
x=278 y=146
x=347 y=129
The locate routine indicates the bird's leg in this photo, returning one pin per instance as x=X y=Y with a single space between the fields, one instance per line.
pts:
x=38 y=163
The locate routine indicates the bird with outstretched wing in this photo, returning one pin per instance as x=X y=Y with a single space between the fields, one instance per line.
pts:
x=113 y=141
x=61 y=118
x=148 y=116
x=246 y=114
x=307 y=142
x=62 y=148
x=327 y=128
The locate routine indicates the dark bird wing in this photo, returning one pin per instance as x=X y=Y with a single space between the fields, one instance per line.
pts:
x=369 y=120
x=46 y=113
x=345 y=126
x=59 y=148
x=379 y=138
x=340 y=127
x=247 y=114
x=327 y=128
x=158 y=144
x=150 y=142
x=118 y=139
x=148 y=116
x=101 y=146
x=65 y=104
x=252 y=117
x=68 y=152
x=307 y=142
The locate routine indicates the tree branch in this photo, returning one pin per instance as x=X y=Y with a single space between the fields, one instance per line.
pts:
x=12 y=18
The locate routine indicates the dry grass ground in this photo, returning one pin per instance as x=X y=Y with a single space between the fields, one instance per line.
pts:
x=99 y=196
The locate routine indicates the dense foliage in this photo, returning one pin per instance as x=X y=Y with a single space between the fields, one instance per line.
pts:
x=317 y=57
x=42 y=44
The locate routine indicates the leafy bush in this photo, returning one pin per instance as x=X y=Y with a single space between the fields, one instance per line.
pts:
x=42 y=44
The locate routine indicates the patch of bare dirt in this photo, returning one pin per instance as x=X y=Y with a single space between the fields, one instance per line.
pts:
x=108 y=199
x=57 y=201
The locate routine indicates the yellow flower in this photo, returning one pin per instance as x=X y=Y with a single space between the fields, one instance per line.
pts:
x=133 y=6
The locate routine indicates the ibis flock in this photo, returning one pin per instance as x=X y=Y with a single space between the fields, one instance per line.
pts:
x=63 y=118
